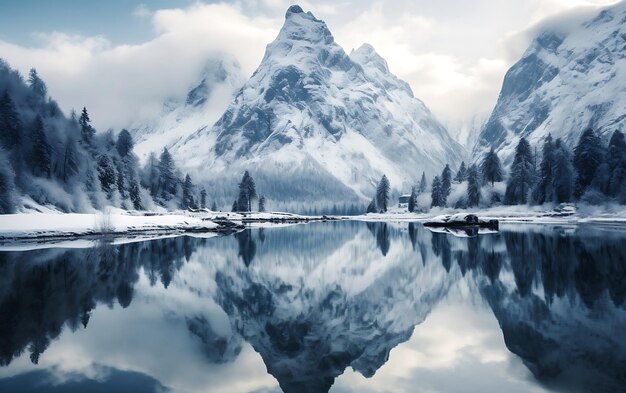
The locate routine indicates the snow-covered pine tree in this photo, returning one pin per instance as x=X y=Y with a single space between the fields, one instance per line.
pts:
x=107 y=175
x=7 y=185
x=203 y=198
x=121 y=180
x=86 y=130
x=491 y=168
x=382 y=194
x=262 y=203
x=435 y=193
x=616 y=160
x=588 y=155
x=150 y=175
x=134 y=193
x=124 y=144
x=214 y=206
x=235 y=206
x=423 y=184
x=523 y=176
x=247 y=192
x=446 y=185
x=167 y=179
x=242 y=201
x=69 y=165
x=41 y=162
x=461 y=174
x=544 y=191
x=473 y=187
x=10 y=123
x=563 y=179
x=412 y=200
x=188 y=199
x=37 y=86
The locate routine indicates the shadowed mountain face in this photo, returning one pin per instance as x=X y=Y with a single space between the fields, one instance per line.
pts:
x=315 y=300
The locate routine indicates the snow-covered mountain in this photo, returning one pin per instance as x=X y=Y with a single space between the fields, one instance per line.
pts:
x=567 y=80
x=316 y=123
x=204 y=103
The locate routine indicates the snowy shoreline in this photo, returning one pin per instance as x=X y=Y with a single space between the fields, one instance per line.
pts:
x=55 y=226
x=521 y=214
x=62 y=226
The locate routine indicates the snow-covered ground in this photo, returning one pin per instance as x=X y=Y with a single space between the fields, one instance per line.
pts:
x=54 y=224
x=563 y=214
x=50 y=224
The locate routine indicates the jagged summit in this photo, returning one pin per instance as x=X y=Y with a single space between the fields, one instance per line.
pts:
x=294 y=9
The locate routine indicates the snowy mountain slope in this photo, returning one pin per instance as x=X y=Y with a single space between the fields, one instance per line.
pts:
x=564 y=83
x=467 y=131
x=204 y=103
x=312 y=113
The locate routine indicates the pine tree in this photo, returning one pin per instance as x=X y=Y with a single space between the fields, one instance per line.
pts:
x=544 y=191
x=523 y=175
x=235 y=206
x=588 y=155
x=167 y=178
x=37 y=86
x=435 y=193
x=86 y=130
x=461 y=175
x=106 y=175
x=473 y=187
x=41 y=150
x=563 y=173
x=10 y=124
x=382 y=194
x=7 y=185
x=213 y=207
x=188 y=200
x=446 y=185
x=262 y=204
x=247 y=192
x=423 y=184
x=150 y=175
x=124 y=144
x=412 y=200
x=372 y=208
x=616 y=161
x=242 y=201
x=121 y=181
x=134 y=194
x=69 y=166
x=491 y=168
x=203 y=198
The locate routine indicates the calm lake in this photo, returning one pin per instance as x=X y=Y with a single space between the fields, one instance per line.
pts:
x=339 y=306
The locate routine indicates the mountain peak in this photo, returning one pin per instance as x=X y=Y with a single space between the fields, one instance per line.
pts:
x=294 y=9
x=303 y=26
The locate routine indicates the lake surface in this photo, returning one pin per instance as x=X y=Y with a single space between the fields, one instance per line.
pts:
x=340 y=307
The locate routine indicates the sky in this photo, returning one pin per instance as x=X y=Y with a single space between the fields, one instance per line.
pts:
x=123 y=58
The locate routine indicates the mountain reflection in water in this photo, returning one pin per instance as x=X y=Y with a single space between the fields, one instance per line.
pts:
x=313 y=301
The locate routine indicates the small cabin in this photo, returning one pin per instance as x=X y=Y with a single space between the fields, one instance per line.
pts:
x=403 y=200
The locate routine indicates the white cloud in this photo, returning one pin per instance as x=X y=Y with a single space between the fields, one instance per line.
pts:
x=453 y=53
